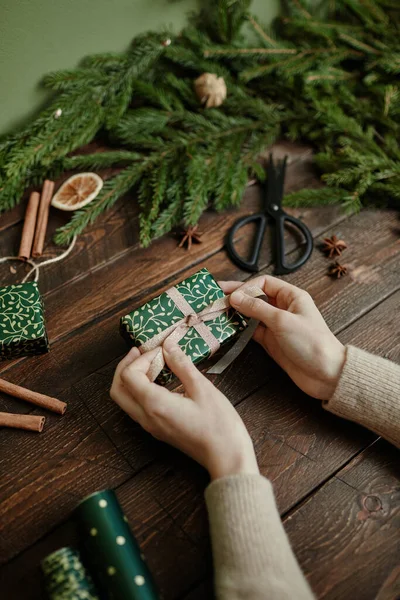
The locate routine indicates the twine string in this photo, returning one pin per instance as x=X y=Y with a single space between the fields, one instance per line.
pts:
x=36 y=266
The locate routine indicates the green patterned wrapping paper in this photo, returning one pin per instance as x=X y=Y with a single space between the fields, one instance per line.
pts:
x=110 y=550
x=22 y=326
x=199 y=290
x=66 y=578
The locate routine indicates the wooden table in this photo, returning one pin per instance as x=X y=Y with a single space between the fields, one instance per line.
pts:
x=337 y=485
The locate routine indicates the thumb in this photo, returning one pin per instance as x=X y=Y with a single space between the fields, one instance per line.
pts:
x=180 y=364
x=253 y=307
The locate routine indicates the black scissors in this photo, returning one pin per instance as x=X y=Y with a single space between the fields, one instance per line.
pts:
x=272 y=190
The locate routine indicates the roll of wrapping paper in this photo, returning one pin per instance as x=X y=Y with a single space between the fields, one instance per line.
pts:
x=110 y=550
x=66 y=578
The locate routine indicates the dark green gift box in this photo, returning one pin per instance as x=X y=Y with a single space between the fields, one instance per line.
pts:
x=22 y=326
x=199 y=290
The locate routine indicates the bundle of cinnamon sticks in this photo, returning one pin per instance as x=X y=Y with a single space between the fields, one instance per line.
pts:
x=36 y=219
x=28 y=422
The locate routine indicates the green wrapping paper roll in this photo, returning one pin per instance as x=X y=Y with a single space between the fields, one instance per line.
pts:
x=111 y=551
x=66 y=577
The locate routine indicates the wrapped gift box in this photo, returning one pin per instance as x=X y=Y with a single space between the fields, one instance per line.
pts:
x=199 y=290
x=22 y=326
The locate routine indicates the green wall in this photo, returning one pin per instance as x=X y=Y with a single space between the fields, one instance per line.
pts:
x=38 y=36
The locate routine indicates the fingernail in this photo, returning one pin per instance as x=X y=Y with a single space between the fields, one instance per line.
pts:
x=236 y=298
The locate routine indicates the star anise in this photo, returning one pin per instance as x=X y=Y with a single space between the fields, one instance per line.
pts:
x=337 y=270
x=189 y=236
x=333 y=246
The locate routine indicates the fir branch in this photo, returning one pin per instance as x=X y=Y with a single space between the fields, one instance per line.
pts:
x=261 y=33
x=311 y=197
x=326 y=75
x=233 y=52
x=197 y=187
x=172 y=214
x=100 y=160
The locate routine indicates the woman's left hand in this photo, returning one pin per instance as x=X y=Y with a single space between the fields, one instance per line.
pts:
x=202 y=422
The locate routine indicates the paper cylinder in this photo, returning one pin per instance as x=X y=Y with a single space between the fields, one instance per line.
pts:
x=110 y=550
x=66 y=577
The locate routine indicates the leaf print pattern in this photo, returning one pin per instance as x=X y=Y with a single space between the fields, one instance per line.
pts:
x=22 y=326
x=199 y=290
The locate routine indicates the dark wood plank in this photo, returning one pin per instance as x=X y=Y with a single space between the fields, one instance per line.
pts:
x=86 y=352
x=50 y=472
x=112 y=235
x=378 y=331
x=346 y=537
x=95 y=393
x=294 y=438
x=10 y=218
x=43 y=371
x=166 y=517
x=248 y=374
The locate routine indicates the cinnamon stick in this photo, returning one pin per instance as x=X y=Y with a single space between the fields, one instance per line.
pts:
x=28 y=422
x=43 y=217
x=33 y=397
x=28 y=230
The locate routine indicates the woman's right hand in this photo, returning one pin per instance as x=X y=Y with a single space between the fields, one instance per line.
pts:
x=294 y=333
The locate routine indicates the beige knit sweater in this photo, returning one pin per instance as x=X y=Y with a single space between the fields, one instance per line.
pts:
x=253 y=559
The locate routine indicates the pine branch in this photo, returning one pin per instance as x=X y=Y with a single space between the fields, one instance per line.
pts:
x=100 y=160
x=325 y=74
x=270 y=42
x=310 y=197
x=172 y=214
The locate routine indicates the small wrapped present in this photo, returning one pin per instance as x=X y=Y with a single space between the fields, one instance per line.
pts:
x=22 y=326
x=195 y=312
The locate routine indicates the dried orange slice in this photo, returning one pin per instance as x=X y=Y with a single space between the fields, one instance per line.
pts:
x=77 y=191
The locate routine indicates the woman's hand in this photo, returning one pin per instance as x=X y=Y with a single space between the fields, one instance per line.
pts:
x=202 y=423
x=293 y=333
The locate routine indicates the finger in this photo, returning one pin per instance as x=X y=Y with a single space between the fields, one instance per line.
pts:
x=132 y=355
x=134 y=376
x=282 y=292
x=128 y=404
x=117 y=386
x=254 y=307
x=259 y=333
x=229 y=286
x=180 y=364
x=120 y=394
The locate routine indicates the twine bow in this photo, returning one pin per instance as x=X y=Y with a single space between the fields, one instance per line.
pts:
x=190 y=319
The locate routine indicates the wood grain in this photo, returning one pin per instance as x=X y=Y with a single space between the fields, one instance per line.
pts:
x=353 y=545
x=297 y=444
x=290 y=457
x=303 y=449
x=70 y=459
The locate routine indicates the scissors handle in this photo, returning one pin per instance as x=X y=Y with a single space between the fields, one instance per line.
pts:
x=252 y=263
x=281 y=267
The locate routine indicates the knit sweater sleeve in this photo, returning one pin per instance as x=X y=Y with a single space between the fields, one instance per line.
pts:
x=368 y=392
x=252 y=556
